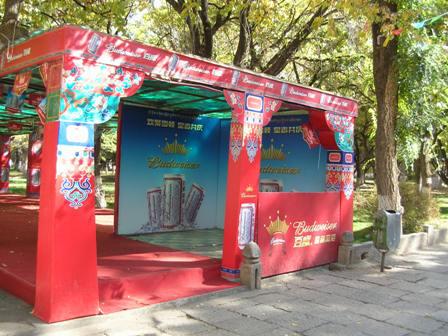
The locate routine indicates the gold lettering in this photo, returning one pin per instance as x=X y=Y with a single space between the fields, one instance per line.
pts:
x=155 y=162
x=280 y=170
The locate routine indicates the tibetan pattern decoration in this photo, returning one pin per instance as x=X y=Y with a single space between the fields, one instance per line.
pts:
x=333 y=178
x=344 y=141
x=252 y=146
x=75 y=162
x=250 y=112
x=343 y=127
x=310 y=136
x=76 y=192
x=340 y=172
x=347 y=180
x=15 y=97
x=236 y=102
x=271 y=106
x=91 y=92
x=236 y=140
x=339 y=123
x=50 y=73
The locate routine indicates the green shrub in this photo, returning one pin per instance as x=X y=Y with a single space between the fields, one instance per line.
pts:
x=364 y=209
x=418 y=207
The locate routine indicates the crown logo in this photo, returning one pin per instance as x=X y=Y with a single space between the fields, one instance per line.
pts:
x=175 y=147
x=273 y=153
x=277 y=226
x=249 y=189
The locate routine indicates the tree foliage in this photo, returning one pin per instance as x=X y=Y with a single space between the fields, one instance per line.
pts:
x=398 y=67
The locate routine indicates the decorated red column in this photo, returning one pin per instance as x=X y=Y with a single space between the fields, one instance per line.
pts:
x=80 y=94
x=335 y=133
x=66 y=278
x=340 y=166
x=249 y=114
x=5 y=156
x=34 y=163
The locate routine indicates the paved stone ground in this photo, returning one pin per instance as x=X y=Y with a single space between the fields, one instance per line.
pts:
x=410 y=299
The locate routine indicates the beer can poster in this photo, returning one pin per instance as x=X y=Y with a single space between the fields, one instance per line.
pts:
x=287 y=162
x=169 y=170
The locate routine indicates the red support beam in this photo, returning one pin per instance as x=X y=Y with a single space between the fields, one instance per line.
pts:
x=249 y=114
x=34 y=163
x=5 y=156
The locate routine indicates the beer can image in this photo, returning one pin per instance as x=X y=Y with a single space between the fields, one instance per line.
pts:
x=192 y=204
x=173 y=62
x=35 y=177
x=172 y=200
x=268 y=185
x=94 y=44
x=246 y=224
x=283 y=89
x=154 y=198
x=235 y=77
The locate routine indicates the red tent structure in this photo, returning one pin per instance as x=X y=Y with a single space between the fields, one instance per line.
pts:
x=180 y=118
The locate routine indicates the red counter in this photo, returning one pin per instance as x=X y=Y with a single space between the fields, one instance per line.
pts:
x=297 y=230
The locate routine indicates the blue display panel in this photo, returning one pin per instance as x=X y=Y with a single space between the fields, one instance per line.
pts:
x=173 y=169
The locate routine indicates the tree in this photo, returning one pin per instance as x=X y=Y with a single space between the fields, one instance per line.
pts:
x=385 y=57
x=423 y=103
x=10 y=29
x=254 y=37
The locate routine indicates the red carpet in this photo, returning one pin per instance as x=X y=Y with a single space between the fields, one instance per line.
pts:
x=130 y=273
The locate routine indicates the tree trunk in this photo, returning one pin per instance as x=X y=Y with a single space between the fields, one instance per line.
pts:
x=100 y=195
x=386 y=89
x=360 y=177
x=424 y=170
x=244 y=38
x=9 y=27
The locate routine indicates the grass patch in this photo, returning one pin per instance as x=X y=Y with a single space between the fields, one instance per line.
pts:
x=364 y=208
x=441 y=197
x=364 y=205
x=17 y=182
x=109 y=189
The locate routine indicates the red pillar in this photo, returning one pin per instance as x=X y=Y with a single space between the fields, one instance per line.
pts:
x=5 y=156
x=347 y=190
x=34 y=163
x=66 y=275
x=80 y=93
x=249 y=114
x=340 y=178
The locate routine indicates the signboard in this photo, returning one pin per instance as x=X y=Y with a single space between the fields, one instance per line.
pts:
x=297 y=230
x=168 y=172
x=154 y=61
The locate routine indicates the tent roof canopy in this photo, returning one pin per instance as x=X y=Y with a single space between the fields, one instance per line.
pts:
x=173 y=82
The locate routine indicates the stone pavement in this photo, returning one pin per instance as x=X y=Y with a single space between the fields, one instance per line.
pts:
x=410 y=299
